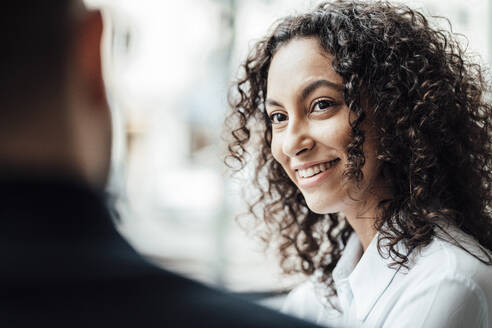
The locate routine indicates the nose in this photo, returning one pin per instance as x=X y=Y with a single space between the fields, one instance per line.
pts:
x=297 y=140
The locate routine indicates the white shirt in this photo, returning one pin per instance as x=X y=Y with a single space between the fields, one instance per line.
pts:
x=443 y=287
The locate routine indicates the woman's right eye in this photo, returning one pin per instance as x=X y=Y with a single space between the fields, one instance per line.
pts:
x=276 y=118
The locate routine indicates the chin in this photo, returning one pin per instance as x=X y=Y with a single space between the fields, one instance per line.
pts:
x=320 y=206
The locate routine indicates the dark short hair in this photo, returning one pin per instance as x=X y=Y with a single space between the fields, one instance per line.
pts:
x=35 y=41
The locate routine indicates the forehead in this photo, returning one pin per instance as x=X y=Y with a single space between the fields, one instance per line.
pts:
x=298 y=63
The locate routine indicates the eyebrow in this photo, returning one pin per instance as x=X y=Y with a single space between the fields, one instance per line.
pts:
x=317 y=84
x=272 y=103
x=310 y=88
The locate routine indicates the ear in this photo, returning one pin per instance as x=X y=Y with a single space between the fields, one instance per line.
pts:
x=88 y=55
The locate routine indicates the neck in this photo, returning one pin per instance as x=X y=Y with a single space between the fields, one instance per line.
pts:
x=363 y=225
x=363 y=214
x=41 y=145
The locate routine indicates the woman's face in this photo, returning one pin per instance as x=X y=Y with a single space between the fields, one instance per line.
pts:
x=310 y=127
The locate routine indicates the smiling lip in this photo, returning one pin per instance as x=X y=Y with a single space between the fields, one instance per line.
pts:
x=315 y=179
x=308 y=165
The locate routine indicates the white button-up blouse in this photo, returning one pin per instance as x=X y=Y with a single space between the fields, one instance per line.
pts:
x=444 y=287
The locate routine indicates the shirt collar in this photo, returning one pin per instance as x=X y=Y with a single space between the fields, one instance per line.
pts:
x=368 y=275
x=349 y=259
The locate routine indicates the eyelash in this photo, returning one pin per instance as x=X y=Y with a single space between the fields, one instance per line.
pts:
x=330 y=103
x=272 y=118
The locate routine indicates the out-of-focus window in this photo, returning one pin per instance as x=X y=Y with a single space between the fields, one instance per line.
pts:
x=168 y=67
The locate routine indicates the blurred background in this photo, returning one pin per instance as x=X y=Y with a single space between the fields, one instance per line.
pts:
x=168 y=67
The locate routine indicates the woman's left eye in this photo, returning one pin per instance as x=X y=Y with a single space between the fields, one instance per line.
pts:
x=322 y=105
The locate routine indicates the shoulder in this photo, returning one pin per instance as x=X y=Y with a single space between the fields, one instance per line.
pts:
x=446 y=301
x=147 y=297
x=446 y=279
x=453 y=255
x=303 y=302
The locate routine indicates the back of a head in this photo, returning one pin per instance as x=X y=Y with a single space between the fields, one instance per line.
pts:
x=53 y=111
x=35 y=43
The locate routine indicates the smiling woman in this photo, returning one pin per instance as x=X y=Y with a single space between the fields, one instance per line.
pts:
x=376 y=151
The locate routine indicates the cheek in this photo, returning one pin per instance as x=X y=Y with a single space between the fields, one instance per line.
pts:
x=276 y=148
x=277 y=153
x=333 y=135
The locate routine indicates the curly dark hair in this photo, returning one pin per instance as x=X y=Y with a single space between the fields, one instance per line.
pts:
x=427 y=100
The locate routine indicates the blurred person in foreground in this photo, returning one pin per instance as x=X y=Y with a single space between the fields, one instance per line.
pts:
x=374 y=165
x=62 y=262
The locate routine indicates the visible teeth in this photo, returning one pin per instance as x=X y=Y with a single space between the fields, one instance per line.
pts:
x=313 y=170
